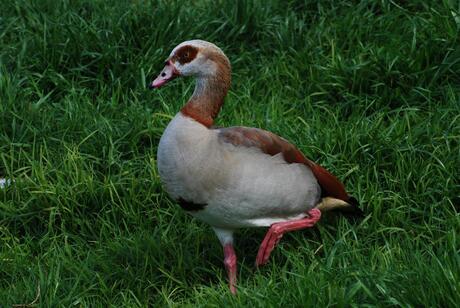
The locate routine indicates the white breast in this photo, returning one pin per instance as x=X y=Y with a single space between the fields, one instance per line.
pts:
x=240 y=186
x=182 y=154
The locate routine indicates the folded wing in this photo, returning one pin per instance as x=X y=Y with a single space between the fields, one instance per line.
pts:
x=272 y=144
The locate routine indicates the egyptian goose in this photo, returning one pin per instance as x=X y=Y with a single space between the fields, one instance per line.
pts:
x=236 y=177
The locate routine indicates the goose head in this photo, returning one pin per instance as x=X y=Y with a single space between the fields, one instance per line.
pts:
x=194 y=58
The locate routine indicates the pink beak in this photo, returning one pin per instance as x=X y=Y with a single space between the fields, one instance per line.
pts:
x=168 y=73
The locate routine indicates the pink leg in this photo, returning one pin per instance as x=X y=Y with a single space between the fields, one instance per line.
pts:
x=276 y=231
x=230 y=265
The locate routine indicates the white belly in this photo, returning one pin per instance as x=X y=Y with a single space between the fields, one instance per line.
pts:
x=239 y=186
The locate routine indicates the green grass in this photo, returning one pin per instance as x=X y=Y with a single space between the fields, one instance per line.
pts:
x=369 y=89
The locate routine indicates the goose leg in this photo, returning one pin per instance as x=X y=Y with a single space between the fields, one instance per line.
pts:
x=226 y=239
x=277 y=230
x=230 y=265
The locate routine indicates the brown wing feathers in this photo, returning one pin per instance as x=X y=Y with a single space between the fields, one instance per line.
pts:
x=272 y=144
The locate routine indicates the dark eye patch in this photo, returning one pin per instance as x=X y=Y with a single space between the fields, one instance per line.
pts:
x=186 y=54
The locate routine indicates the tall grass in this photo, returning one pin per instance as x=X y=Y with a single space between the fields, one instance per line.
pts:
x=369 y=89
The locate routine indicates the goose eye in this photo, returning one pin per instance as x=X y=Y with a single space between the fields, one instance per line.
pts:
x=186 y=54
